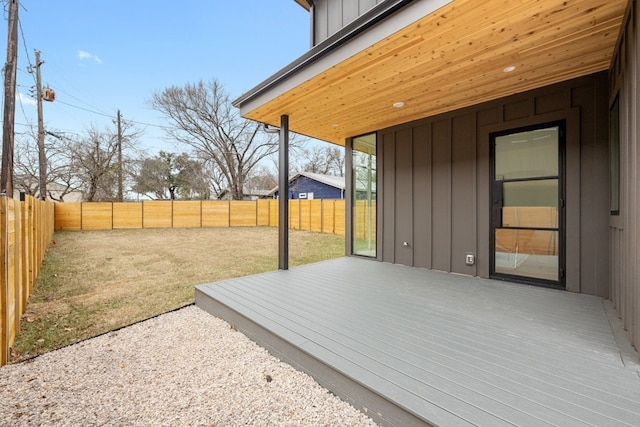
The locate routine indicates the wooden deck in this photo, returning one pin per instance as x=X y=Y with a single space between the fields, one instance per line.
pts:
x=416 y=347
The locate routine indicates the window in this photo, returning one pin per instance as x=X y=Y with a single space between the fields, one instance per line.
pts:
x=614 y=157
x=364 y=195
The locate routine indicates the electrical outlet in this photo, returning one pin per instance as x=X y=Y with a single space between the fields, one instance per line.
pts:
x=470 y=259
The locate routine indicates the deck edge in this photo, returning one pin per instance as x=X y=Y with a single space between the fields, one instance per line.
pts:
x=380 y=409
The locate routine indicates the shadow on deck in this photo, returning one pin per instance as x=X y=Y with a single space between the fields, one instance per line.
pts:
x=410 y=346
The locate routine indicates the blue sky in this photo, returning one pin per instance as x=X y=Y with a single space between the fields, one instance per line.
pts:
x=100 y=56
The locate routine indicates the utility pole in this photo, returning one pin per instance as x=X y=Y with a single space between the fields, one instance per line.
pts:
x=8 y=133
x=42 y=158
x=119 y=158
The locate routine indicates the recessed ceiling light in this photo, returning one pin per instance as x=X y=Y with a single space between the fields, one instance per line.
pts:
x=398 y=104
x=509 y=69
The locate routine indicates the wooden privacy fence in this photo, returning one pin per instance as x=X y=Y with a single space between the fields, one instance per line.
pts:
x=25 y=232
x=325 y=216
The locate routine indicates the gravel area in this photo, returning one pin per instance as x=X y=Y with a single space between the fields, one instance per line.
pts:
x=184 y=368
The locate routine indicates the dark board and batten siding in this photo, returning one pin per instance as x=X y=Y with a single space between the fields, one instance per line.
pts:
x=435 y=182
x=624 y=228
x=330 y=16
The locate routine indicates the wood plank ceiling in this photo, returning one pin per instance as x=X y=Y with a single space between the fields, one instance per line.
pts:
x=450 y=59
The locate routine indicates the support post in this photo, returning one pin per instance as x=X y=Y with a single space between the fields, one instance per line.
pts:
x=283 y=195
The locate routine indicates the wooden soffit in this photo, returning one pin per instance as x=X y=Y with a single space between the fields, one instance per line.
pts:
x=449 y=59
x=303 y=3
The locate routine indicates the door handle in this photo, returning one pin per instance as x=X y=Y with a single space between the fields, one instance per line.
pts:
x=497 y=203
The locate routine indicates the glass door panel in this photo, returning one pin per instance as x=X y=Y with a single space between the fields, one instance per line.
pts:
x=364 y=196
x=526 y=212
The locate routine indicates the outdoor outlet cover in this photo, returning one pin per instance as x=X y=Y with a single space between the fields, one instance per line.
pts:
x=470 y=260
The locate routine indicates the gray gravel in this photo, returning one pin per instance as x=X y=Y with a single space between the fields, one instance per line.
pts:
x=184 y=368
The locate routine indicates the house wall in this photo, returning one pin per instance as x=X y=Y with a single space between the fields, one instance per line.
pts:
x=330 y=16
x=307 y=185
x=435 y=182
x=320 y=190
x=624 y=228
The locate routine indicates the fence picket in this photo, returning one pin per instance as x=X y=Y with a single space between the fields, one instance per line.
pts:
x=326 y=216
x=26 y=229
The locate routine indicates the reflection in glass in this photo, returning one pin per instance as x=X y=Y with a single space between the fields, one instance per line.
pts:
x=527 y=154
x=364 y=195
x=531 y=253
x=526 y=195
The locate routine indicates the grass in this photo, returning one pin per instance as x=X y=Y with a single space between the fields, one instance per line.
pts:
x=94 y=282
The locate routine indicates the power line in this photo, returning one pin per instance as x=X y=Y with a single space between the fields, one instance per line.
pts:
x=93 y=109
x=151 y=124
x=85 y=109
x=98 y=110
x=113 y=117
x=24 y=113
x=58 y=71
x=24 y=42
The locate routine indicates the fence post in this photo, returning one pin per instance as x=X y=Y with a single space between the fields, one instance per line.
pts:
x=4 y=280
x=333 y=225
x=18 y=280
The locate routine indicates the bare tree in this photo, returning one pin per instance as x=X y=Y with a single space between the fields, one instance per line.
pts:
x=59 y=171
x=79 y=163
x=203 y=118
x=93 y=161
x=263 y=178
x=216 y=179
x=26 y=167
x=327 y=160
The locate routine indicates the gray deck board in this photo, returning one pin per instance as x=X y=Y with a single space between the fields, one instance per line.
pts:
x=448 y=349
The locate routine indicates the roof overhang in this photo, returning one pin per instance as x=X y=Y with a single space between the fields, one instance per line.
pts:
x=454 y=56
x=304 y=3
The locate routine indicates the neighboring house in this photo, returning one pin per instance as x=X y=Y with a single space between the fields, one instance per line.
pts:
x=308 y=185
x=248 y=194
x=493 y=139
x=56 y=192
